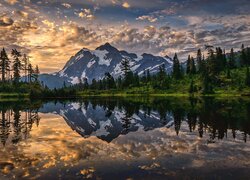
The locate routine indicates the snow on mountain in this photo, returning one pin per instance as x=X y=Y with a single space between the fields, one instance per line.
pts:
x=93 y=64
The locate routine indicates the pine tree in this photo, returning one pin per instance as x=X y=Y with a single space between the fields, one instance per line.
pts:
x=231 y=62
x=16 y=65
x=109 y=80
x=176 y=67
x=192 y=66
x=4 y=64
x=30 y=72
x=243 y=56
x=247 y=77
x=188 y=65
x=125 y=67
x=25 y=62
x=199 y=60
x=36 y=73
x=148 y=76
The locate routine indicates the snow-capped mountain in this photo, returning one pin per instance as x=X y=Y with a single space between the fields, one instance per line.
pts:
x=93 y=64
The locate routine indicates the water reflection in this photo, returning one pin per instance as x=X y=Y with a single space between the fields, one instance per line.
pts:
x=107 y=118
x=125 y=138
x=16 y=121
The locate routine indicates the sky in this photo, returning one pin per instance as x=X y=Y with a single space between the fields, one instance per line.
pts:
x=51 y=31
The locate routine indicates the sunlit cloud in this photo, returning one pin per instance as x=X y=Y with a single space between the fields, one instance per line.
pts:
x=126 y=5
x=53 y=31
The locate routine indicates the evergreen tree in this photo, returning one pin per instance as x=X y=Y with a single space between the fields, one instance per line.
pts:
x=4 y=64
x=110 y=82
x=176 y=67
x=243 y=56
x=128 y=75
x=16 y=65
x=188 y=65
x=125 y=67
x=94 y=84
x=30 y=72
x=247 y=77
x=231 y=62
x=199 y=60
x=192 y=66
x=148 y=76
x=36 y=73
x=212 y=66
x=25 y=62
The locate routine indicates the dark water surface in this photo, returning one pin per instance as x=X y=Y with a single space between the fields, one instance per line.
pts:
x=126 y=138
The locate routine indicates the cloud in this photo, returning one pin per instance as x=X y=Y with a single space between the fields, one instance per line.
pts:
x=126 y=5
x=48 y=23
x=12 y=2
x=67 y=5
x=86 y=13
x=148 y=18
x=6 y=21
x=22 y=14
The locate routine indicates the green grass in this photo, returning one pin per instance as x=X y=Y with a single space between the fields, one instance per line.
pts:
x=13 y=96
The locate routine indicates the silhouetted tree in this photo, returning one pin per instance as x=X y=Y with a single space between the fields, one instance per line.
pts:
x=4 y=64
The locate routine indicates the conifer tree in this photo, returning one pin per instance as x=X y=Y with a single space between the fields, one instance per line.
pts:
x=188 y=65
x=247 y=77
x=36 y=73
x=176 y=67
x=4 y=64
x=192 y=66
x=231 y=61
x=199 y=60
x=16 y=65
x=243 y=56
x=25 y=62
x=30 y=72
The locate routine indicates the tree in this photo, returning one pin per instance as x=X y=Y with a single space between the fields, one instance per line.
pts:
x=247 y=77
x=192 y=66
x=4 y=64
x=109 y=81
x=148 y=76
x=199 y=60
x=231 y=62
x=125 y=67
x=243 y=56
x=36 y=73
x=188 y=65
x=16 y=65
x=94 y=84
x=176 y=67
x=25 y=62
x=30 y=72
x=128 y=75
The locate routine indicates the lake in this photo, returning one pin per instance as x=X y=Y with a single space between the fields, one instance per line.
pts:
x=126 y=138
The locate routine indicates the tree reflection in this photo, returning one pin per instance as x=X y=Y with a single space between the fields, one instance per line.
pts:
x=16 y=121
x=204 y=115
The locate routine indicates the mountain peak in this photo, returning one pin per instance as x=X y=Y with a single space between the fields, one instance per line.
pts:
x=108 y=47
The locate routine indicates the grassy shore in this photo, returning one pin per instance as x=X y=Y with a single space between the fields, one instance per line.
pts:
x=13 y=96
x=134 y=92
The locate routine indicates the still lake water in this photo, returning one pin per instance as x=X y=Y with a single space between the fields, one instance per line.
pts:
x=126 y=138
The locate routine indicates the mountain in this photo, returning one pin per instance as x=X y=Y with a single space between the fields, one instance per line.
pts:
x=93 y=64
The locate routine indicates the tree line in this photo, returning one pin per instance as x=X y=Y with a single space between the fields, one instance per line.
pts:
x=208 y=70
x=12 y=69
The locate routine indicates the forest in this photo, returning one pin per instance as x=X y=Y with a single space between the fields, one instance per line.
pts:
x=209 y=73
x=218 y=73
